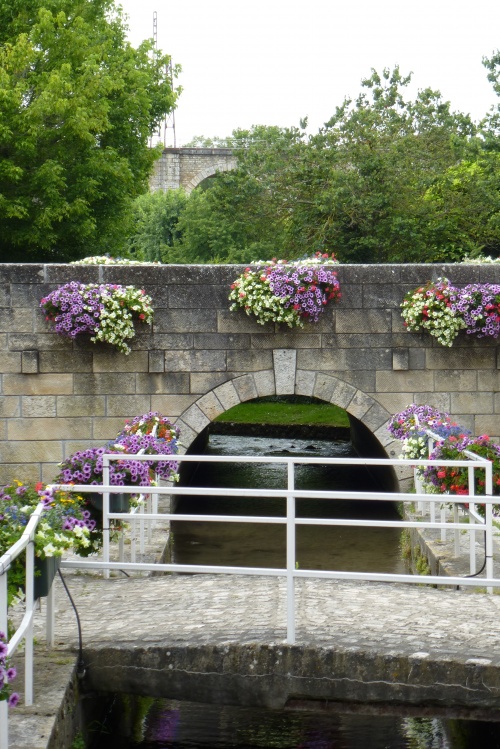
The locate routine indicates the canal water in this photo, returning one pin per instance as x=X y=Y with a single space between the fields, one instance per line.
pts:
x=139 y=723
x=326 y=547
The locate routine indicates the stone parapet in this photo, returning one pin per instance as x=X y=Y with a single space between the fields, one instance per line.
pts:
x=199 y=359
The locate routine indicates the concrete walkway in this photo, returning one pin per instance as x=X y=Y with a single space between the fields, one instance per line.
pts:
x=420 y=624
x=401 y=630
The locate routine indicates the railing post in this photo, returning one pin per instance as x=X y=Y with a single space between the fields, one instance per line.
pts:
x=105 y=514
x=4 y=725
x=290 y=556
x=472 y=534
x=50 y=618
x=456 y=519
x=28 y=638
x=488 y=512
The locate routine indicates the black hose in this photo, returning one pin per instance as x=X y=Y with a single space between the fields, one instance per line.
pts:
x=80 y=665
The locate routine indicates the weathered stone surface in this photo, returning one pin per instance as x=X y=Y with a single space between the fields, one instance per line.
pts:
x=128 y=406
x=10 y=406
x=172 y=405
x=104 y=383
x=11 y=362
x=196 y=361
x=29 y=362
x=210 y=405
x=41 y=384
x=31 y=451
x=51 y=428
x=196 y=321
x=285 y=364
x=197 y=345
x=38 y=405
x=65 y=361
x=264 y=383
x=245 y=387
x=401 y=359
x=115 y=361
x=81 y=405
x=170 y=382
x=249 y=361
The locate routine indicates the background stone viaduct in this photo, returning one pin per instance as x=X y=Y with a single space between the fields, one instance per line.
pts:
x=188 y=167
x=199 y=359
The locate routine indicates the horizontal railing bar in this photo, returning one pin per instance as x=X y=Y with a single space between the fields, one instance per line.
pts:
x=163 y=567
x=282 y=572
x=386 y=577
x=283 y=493
x=276 y=519
x=144 y=516
x=302 y=460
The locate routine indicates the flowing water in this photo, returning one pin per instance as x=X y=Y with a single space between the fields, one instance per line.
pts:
x=164 y=724
x=326 y=547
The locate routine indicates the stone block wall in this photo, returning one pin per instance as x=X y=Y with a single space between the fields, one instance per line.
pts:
x=199 y=359
x=188 y=167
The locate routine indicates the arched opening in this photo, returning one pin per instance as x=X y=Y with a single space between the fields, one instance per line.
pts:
x=318 y=547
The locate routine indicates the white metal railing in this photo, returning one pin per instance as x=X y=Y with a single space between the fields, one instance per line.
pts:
x=148 y=514
x=25 y=629
x=290 y=494
x=467 y=507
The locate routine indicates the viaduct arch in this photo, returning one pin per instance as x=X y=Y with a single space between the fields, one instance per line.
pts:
x=188 y=167
x=199 y=359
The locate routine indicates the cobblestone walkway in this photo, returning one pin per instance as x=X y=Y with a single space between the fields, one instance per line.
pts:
x=192 y=609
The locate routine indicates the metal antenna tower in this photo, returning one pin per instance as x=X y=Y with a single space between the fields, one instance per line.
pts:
x=169 y=121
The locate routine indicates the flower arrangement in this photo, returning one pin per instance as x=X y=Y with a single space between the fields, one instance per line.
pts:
x=411 y=425
x=85 y=467
x=288 y=292
x=108 y=260
x=430 y=307
x=444 y=310
x=7 y=674
x=65 y=524
x=451 y=480
x=153 y=434
x=479 y=306
x=152 y=423
x=106 y=311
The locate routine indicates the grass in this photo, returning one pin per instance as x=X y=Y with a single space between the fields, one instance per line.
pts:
x=281 y=410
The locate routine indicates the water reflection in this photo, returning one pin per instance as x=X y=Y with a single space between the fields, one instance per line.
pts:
x=170 y=724
x=341 y=548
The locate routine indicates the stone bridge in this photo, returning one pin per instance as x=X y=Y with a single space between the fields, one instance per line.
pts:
x=188 y=167
x=199 y=359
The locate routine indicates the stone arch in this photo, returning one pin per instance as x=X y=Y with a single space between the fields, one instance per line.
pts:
x=209 y=171
x=286 y=379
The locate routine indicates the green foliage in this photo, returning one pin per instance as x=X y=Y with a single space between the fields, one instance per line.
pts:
x=389 y=178
x=232 y=221
x=78 y=103
x=155 y=224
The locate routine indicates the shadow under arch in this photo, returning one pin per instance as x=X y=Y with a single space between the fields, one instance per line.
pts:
x=368 y=418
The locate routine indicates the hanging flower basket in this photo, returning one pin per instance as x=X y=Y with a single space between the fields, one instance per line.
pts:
x=45 y=572
x=443 y=310
x=279 y=291
x=106 y=312
x=117 y=502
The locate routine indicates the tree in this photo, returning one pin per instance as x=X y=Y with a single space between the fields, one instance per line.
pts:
x=360 y=187
x=360 y=191
x=77 y=106
x=155 y=224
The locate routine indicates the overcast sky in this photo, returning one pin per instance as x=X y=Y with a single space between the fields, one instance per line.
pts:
x=273 y=62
